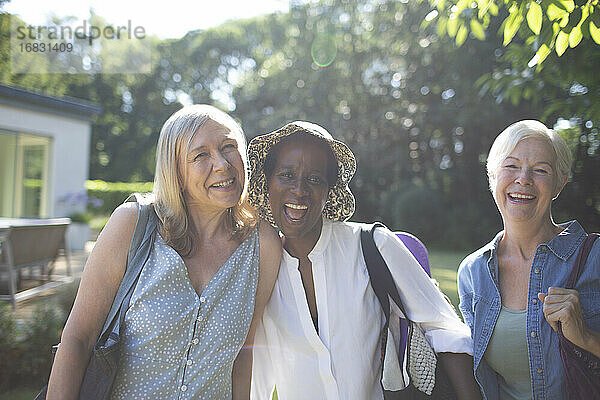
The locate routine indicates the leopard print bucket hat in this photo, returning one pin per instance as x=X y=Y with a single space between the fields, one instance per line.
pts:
x=340 y=201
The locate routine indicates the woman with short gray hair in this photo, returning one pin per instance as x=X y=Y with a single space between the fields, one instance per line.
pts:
x=511 y=291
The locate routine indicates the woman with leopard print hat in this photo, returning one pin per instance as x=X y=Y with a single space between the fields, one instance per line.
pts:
x=320 y=335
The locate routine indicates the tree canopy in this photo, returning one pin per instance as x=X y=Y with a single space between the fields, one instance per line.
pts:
x=419 y=113
x=544 y=26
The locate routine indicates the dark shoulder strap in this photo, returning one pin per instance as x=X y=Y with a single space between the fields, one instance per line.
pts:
x=379 y=273
x=582 y=256
x=139 y=250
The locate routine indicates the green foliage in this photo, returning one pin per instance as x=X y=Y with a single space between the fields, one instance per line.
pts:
x=8 y=341
x=26 y=344
x=7 y=327
x=41 y=333
x=65 y=297
x=447 y=221
x=419 y=112
x=550 y=25
x=20 y=394
x=81 y=217
x=444 y=264
x=114 y=193
x=26 y=349
x=98 y=222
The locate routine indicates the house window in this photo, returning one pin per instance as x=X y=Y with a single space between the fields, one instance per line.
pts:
x=24 y=175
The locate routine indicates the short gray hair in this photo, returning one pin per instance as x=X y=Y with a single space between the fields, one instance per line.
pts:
x=506 y=142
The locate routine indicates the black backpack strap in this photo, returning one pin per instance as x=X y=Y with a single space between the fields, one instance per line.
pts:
x=384 y=287
x=379 y=273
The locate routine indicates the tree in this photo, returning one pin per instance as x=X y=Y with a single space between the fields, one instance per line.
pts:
x=406 y=101
x=544 y=25
x=562 y=87
x=401 y=98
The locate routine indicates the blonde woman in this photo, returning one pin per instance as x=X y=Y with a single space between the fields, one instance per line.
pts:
x=203 y=287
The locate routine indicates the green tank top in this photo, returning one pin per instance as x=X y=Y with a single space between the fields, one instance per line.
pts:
x=507 y=354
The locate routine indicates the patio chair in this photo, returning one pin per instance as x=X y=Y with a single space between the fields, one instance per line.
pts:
x=28 y=246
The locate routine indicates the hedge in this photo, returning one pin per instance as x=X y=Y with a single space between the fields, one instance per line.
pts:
x=113 y=193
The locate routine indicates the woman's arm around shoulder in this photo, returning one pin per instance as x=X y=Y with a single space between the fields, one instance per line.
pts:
x=270 y=257
x=268 y=268
x=100 y=281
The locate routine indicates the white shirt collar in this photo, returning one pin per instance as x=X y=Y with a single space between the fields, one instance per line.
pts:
x=320 y=247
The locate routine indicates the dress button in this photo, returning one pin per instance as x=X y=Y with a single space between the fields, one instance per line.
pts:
x=539 y=370
x=534 y=301
x=199 y=319
x=533 y=334
x=202 y=299
x=537 y=270
x=188 y=362
x=195 y=341
x=183 y=388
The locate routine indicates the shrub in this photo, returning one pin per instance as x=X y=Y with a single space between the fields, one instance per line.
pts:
x=7 y=345
x=439 y=223
x=81 y=217
x=40 y=334
x=114 y=193
x=26 y=350
x=25 y=347
x=66 y=297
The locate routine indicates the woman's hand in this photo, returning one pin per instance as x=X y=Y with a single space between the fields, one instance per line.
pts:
x=562 y=305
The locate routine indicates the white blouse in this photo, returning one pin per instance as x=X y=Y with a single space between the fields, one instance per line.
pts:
x=343 y=360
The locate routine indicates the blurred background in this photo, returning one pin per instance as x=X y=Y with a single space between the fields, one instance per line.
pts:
x=419 y=112
x=417 y=98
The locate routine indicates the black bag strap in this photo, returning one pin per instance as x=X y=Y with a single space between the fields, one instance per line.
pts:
x=581 y=259
x=383 y=285
x=379 y=273
x=139 y=250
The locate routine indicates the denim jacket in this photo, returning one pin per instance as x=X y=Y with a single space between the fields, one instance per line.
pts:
x=480 y=305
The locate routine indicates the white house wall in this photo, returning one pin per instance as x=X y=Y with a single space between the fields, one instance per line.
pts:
x=69 y=150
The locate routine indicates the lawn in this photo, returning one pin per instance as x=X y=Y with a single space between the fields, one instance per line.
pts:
x=444 y=264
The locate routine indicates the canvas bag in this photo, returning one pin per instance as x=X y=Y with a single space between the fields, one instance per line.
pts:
x=102 y=367
x=427 y=379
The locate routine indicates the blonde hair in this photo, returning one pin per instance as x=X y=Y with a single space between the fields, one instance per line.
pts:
x=506 y=142
x=177 y=227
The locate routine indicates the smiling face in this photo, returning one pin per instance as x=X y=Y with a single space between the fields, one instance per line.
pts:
x=212 y=168
x=298 y=188
x=525 y=182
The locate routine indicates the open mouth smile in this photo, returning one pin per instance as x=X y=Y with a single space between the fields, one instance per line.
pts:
x=223 y=185
x=295 y=212
x=521 y=198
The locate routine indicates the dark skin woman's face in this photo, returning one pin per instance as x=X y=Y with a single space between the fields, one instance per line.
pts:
x=298 y=189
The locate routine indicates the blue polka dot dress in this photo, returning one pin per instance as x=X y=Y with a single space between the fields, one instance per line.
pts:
x=178 y=345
